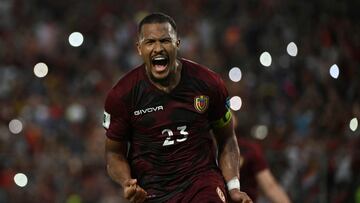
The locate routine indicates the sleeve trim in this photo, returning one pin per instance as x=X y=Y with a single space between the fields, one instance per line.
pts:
x=114 y=137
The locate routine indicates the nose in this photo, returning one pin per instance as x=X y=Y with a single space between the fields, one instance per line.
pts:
x=158 y=47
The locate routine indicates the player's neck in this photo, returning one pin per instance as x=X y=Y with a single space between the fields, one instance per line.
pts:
x=172 y=81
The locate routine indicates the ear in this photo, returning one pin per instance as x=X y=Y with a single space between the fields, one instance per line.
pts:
x=178 y=43
x=138 y=48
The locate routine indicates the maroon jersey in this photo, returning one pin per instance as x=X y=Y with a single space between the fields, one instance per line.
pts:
x=168 y=132
x=252 y=162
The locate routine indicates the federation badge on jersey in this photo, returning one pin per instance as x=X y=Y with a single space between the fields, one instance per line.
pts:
x=201 y=103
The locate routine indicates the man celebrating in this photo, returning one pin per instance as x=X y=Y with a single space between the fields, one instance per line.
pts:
x=158 y=119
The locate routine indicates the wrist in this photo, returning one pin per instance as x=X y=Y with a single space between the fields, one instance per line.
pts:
x=234 y=183
x=128 y=182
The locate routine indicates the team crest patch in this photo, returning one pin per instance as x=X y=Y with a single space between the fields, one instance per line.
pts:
x=221 y=194
x=201 y=103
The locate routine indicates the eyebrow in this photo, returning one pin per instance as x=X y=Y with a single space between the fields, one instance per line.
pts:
x=142 y=39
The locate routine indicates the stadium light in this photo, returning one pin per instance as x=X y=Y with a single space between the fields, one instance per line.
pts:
x=20 y=179
x=260 y=132
x=76 y=39
x=75 y=113
x=265 y=59
x=235 y=74
x=292 y=49
x=353 y=124
x=235 y=103
x=334 y=71
x=15 y=126
x=41 y=70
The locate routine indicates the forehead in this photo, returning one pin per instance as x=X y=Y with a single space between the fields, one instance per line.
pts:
x=155 y=30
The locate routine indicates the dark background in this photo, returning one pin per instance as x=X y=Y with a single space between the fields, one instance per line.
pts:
x=309 y=145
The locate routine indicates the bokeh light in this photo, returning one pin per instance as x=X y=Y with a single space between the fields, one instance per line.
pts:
x=334 y=71
x=76 y=39
x=75 y=113
x=235 y=74
x=235 y=103
x=41 y=70
x=15 y=126
x=60 y=61
x=353 y=124
x=260 y=132
x=265 y=59
x=20 y=179
x=292 y=49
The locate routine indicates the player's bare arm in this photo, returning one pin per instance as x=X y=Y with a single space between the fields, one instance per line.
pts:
x=119 y=170
x=229 y=158
x=271 y=188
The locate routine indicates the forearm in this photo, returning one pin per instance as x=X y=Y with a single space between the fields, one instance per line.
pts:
x=117 y=164
x=272 y=190
x=229 y=158
x=229 y=164
x=118 y=168
x=229 y=152
x=277 y=195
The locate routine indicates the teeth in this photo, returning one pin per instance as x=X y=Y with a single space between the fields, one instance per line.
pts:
x=159 y=58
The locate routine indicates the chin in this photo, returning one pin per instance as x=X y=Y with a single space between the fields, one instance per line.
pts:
x=159 y=78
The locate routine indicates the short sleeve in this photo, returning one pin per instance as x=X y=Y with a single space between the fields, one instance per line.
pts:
x=219 y=114
x=258 y=159
x=116 y=117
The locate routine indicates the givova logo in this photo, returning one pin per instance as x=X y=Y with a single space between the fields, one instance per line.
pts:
x=148 y=110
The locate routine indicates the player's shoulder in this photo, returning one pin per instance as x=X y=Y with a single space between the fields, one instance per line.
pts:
x=249 y=144
x=200 y=71
x=128 y=81
x=118 y=93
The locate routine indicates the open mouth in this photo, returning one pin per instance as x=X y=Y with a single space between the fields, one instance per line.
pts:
x=160 y=63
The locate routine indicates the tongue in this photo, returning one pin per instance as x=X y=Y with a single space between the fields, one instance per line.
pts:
x=160 y=68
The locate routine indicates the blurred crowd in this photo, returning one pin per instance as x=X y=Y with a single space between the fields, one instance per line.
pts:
x=308 y=144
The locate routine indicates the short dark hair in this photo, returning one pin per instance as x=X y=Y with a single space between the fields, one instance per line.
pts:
x=157 y=18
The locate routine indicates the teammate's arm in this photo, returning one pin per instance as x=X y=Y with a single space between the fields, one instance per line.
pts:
x=119 y=170
x=272 y=190
x=229 y=156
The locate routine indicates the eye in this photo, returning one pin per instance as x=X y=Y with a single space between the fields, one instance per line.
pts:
x=166 y=40
x=149 y=42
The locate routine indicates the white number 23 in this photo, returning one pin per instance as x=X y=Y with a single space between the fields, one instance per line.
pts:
x=168 y=141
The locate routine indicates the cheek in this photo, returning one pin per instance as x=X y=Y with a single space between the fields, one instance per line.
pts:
x=171 y=49
x=143 y=52
x=147 y=50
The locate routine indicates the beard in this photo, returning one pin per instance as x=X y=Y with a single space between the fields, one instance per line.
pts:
x=163 y=81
